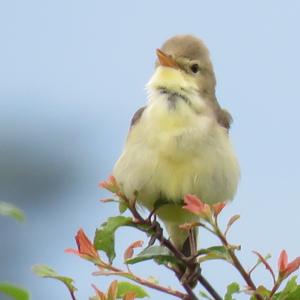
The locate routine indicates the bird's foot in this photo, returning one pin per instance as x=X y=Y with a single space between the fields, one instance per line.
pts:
x=190 y=260
x=190 y=276
x=152 y=216
x=155 y=230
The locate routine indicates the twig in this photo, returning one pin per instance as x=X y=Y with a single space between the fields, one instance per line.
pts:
x=274 y=289
x=190 y=292
x=72 y=295
x=176 y=253
x=236 y=261
x=253 y=268
x=208 y=287
x=142 y=281
x=207 y=228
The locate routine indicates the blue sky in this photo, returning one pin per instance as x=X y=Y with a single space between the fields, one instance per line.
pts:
x=73 y=73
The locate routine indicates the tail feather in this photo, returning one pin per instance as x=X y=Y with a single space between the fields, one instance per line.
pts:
x=184 y=241
x=189 y=249
x=189 y=246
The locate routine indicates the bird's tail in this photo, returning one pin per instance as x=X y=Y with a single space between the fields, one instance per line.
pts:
x=186 y=242
x=189 y=249
x=173 y=216
x=189 y=246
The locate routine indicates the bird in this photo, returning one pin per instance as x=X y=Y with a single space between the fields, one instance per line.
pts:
x=178 y=142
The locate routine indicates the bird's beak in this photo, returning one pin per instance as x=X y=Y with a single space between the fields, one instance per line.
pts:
x=166 y=60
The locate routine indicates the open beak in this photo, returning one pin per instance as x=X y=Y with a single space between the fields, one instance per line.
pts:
x=166 y=60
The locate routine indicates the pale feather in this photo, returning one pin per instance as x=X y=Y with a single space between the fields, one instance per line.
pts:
x=174 y=152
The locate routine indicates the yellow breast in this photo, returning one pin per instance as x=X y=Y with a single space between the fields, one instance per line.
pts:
x=173 y=151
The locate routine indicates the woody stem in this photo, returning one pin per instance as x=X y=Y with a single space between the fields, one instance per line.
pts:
x=236 y=261
x=202 y=280
x=145 y=282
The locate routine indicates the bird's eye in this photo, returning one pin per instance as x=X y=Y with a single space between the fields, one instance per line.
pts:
x=195 y=68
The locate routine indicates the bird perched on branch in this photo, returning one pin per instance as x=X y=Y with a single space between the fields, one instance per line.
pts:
x=178 y=142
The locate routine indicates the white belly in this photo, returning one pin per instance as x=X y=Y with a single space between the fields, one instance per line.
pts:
x=171 y=153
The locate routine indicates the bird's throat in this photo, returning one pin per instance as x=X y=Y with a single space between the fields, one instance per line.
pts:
x=173 y=97
x=175 y=90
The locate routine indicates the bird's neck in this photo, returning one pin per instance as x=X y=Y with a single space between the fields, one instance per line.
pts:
x=171 y=110
x=176 y=93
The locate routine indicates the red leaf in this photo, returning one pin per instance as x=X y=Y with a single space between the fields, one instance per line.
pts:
x=286 y=268
x=217 y=208
x=112 y=290
x=100 y=295
x=130 y=250
x=85 y=247
x=293 y=266
x=282 y=261
x=194 y=205
x=110 y=184
x=268 y=267
x=72 y=251
x=106 y=200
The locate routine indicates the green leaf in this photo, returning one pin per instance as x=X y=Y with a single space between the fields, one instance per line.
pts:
x=105 y=236
x=122 y=206
x=14 y=292
x=259 y=261
x=204 y=295
x=263 y=291
x=8 y=209
x=290 y=287
x=221 y=250
x=232 y=288
x=159 y=253
x=295 y=295
x=215 y=252
x=231 y=221
x=46 y=272
x=125 y=287
x=290 y=292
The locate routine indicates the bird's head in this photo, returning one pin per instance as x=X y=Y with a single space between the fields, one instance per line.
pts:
x=183 y=63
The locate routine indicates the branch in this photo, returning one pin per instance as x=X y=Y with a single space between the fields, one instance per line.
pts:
x=72 y=295
x=246 y=276
x=168 y=244
x=208 y=287
x=116 y=271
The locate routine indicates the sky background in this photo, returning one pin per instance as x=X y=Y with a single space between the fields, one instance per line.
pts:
x=72 y=73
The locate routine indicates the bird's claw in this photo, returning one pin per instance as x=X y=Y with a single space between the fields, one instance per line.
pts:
x=155 y=229
x=190 y=275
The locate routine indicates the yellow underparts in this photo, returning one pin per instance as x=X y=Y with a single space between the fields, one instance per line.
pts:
x=173 y=152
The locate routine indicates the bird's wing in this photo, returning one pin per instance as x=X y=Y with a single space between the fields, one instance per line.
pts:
x=224 y=118
x=222 y=115
x=137 y=115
